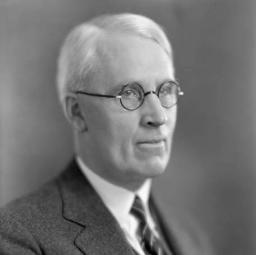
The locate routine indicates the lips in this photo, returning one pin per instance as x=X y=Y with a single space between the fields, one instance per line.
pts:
x=152 y=145
x=152 y=141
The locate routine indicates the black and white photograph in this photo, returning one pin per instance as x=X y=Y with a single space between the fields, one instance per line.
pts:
x=127 y=127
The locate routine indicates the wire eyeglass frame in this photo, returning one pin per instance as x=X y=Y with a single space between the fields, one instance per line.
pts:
x=136 y=87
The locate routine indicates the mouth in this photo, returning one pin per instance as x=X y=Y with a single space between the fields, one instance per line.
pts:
x=152 y=140
x=156 y=145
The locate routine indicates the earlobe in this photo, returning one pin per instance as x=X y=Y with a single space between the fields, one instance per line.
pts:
x=74 y=113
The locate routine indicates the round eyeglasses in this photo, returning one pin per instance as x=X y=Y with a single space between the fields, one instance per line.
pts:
x=132 y=95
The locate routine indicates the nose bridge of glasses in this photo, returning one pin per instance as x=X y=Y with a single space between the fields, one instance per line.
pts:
x=156 y=101
x=149 y=92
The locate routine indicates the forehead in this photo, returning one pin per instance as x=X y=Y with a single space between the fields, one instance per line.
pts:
x=128 y=58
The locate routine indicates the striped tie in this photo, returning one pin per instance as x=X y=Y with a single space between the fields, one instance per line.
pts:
x=150 y=244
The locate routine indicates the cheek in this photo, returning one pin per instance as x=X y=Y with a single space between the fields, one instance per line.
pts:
x=172 y=118
x=122 y=140
x=113 y=132
x=122 y=136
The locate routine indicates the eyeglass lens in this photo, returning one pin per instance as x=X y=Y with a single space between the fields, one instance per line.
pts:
x=132 y=95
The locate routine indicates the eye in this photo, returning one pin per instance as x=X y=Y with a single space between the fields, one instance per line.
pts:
x=132 y=91
x=168 y=88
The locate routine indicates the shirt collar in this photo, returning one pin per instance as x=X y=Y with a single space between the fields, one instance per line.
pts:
x=117 y=199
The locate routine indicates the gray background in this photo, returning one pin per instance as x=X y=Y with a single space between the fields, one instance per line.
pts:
x=211 y=174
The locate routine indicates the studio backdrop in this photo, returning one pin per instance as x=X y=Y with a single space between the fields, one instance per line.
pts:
x=211 y=175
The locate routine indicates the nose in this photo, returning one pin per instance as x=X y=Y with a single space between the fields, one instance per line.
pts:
x=154 y=114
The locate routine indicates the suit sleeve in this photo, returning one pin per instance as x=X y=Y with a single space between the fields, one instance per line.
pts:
x=15 y=239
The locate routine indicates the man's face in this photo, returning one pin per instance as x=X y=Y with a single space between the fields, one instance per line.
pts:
x=127 y=147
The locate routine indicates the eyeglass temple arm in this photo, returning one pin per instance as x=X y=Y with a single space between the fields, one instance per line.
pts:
x=180 y=93
x=97 y=95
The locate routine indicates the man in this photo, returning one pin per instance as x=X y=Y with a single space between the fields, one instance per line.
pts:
x=117 y=86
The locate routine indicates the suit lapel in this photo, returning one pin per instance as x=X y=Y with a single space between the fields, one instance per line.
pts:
x=182 y=235
x=165 y=227
x=101 y=233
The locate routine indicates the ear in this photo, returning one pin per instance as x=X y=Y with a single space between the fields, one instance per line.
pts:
x=74 y=113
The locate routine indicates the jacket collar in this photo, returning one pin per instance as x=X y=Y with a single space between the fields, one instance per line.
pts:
x=101 y=234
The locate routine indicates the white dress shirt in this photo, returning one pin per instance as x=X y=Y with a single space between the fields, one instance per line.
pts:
x=119 y=202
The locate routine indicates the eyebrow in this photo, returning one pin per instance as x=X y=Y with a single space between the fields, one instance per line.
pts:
x=119 y=86
x=168 y=80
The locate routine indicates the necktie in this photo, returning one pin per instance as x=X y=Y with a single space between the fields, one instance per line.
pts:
x=150 y=244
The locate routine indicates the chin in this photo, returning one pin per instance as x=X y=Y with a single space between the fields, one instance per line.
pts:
x=154 y=169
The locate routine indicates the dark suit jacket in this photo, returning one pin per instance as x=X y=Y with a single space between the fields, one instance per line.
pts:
x=67 y=217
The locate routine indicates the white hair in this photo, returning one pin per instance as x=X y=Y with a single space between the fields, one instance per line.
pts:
x=79 y=54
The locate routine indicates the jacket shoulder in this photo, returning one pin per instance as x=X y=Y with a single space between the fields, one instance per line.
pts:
x=22 y=220
x=34 y=204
